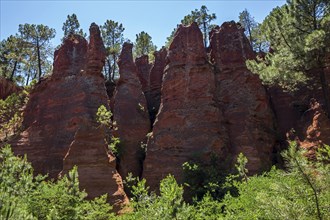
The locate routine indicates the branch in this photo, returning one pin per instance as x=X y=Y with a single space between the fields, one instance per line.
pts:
x=313 y=188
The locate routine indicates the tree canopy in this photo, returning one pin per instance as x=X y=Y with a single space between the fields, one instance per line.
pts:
x=72 y=26
x=143 y=45
x=113 y=38
x=203 y=19
x=37 y=38
x=298 y=33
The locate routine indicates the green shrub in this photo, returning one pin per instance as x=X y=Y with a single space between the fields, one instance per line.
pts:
x=23 y=196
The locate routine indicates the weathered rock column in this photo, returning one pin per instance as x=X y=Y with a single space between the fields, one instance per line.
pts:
x=130 y=114
x=242 y=97
x=7 y=88
x=188 y=122
x=155 y=83
x=59 y=119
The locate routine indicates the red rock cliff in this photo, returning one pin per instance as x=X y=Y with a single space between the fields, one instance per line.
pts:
x=242 y=97
x=155 y=83
x=7 y=88
x=143 y=69
x=60 y=107
x=188 y=122
x=130 y=114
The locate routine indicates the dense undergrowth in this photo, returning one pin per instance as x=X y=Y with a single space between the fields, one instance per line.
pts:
x=302 y=191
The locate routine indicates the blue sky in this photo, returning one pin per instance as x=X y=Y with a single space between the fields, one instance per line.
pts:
x=158 y=18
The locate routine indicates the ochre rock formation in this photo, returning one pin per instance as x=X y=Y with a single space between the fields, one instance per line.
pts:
x=96 y=167
x=130 y=114
x=241 y=97
x=7 y=88
x=187 y=125
x=155 y=83
x=288 y=109
x=63 y=103
x=143 y=68
x=317 y=131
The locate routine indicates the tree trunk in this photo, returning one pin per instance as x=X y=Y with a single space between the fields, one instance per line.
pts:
x=114 y=67
x=39 y=59
x=27 y=80
x=325 y=91
x=109 y=69
x=13 y=72
x=205 y=32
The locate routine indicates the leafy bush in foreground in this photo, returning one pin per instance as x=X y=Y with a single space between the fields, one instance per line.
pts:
x=300 y=192
x=23 y=196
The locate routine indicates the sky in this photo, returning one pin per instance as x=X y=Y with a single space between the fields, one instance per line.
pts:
x=157 y=18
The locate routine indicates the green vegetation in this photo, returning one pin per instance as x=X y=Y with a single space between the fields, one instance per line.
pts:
x=24 y=57
x=24 y=196
x=298 y=33
x=143 y=45
x=277 y=194
x=253 y=32
x=11 y=110
x=72 y=26
x=203 y=20
x=113 y=38
x=302 y=191
x=103 y=116
x=37 y=39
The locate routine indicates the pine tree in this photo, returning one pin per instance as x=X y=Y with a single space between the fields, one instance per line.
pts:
x=253 y=32
x=298 y=33
x=203 y=19
x=12 y=55
x=37 y=37
x=143 y=45
x=72 y=26
x=113 y=38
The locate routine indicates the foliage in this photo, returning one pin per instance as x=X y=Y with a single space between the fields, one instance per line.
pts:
x=203 y=178
x=23 y=196
x=113 y=38
x=13 y=55
x=37 y=38
x=277 y=194
x=169 y=39
x=114 y=146
x=72 y=26
x=300 y=192
x=253 y=32
x=241 y=166
x=11 y=112
x=143 y=45
x=298 y=33
x=103 y=116
x=282 y=194
x=203 y=20
x=168 y=205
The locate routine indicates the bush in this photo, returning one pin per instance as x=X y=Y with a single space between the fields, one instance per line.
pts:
x=23 y=196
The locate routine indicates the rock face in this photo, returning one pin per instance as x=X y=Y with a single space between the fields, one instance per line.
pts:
x=155 y=83
x=7 y=88
x=130 y=114
x=286 y=109
x=187 y=125
x=242 y=97
x=143 y=69
x=318 y=129
x=96 y=167
x=60 y=107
